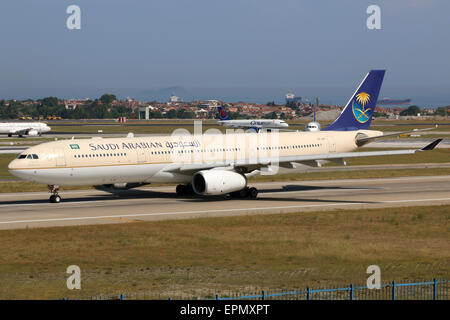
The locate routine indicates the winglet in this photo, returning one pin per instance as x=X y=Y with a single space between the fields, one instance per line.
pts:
x=431 y=146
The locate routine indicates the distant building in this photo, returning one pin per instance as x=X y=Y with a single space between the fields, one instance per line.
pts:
x=174 y=98
x=70 y=106
x=144 y=112
x=291 y=98
x=208 y=104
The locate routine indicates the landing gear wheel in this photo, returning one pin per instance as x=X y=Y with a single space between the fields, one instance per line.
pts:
x=181 y=190
x=243 y=193
x=184 y=190
x=54 y=198
x=253 y=193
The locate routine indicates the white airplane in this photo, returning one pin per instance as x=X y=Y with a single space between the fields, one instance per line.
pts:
x=255 y=124
x=314 y=125
x=23 y=128
x=205 y=164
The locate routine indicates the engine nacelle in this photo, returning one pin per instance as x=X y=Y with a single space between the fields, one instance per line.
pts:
x=33 y=133
x=216 y=182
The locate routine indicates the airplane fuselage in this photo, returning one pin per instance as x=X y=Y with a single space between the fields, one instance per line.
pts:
x=99 y=161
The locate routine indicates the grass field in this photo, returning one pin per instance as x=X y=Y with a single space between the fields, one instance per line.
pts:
x=199 y=257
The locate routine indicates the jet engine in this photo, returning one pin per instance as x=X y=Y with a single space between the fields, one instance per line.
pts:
x=216 y=182
x=33 y=133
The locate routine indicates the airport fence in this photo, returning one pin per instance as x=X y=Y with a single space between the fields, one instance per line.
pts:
x=396 y=290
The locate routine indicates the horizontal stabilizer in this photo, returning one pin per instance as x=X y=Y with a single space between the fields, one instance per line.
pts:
x=363 y=139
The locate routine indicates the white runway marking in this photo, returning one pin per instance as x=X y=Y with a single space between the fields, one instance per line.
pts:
x=214 y=211
x=59 y=204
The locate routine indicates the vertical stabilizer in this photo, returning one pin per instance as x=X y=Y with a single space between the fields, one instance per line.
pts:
x=222 y=114
x=359 y=110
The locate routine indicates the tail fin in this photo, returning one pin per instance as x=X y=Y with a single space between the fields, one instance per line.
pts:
x=222 y=114
x=358 y=112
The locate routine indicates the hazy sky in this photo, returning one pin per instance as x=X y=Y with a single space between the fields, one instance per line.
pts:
x=230 y=49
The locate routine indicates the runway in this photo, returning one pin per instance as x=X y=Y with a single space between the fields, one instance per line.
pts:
x=22 y=210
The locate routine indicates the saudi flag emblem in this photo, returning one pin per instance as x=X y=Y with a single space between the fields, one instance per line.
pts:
x=74 y=146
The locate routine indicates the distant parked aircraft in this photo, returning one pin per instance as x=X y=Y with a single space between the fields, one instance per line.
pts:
x=23 y=128
x=255 y=124
x=314 y=125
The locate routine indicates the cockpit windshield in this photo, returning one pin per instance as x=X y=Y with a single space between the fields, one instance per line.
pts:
x=28 y=156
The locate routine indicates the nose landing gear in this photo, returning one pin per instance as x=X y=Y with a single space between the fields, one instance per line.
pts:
x=54 y=198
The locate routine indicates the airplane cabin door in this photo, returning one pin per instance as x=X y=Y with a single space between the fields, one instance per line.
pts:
x=141 y=155
x=331 y=145
x=60 y=158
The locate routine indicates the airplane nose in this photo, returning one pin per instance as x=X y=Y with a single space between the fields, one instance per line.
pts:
x=12 y=165
x=15 y=168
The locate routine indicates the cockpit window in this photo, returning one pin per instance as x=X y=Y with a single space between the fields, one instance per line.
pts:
x=28 y=156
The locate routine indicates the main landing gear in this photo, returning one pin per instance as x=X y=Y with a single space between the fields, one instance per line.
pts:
x=185 y=190
x=247 y=192
x=54 y=198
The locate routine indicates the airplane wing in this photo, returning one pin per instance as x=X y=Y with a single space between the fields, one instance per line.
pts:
x=362 y=139
x=258 y=162
x=21 y=131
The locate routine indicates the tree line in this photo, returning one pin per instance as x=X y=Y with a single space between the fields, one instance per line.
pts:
x=102 y=108
x=50 y=106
